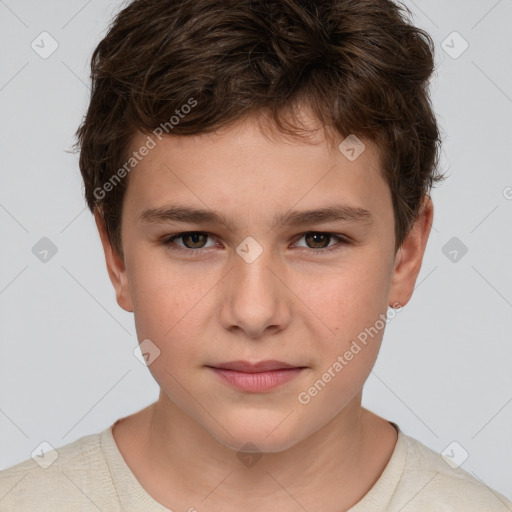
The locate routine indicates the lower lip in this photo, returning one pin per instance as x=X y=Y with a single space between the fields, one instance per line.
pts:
x=256 y=382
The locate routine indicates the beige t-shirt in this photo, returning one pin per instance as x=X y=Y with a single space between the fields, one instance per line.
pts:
x=90 y=475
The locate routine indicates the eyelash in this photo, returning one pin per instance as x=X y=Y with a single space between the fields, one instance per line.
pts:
x=168 y=242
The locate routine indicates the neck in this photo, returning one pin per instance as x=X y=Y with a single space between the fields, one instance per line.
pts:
x=182 y=466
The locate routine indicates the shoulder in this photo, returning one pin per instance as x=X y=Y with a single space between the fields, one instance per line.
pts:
x=72 y=477
x=430 y=482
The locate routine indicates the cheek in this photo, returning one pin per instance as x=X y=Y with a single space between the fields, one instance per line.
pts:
x=165 y=299
x=161 y=288
x=353 y=304
x=354 y=307
x=351 y=298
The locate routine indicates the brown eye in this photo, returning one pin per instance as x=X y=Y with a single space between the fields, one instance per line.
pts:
x=194 y=240
x=317 y=240
x=189 y=239
x=320 y=243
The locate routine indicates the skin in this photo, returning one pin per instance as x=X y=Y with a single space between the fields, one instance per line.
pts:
x=288 y=304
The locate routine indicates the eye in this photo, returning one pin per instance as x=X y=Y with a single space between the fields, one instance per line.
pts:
x=320 y=241
x=191 y=240
x=194 y=242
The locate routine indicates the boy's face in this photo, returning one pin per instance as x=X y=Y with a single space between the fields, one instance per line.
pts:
x=220 y=300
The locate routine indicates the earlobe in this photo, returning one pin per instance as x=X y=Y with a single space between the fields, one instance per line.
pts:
x=410 y=256
x=115 y=265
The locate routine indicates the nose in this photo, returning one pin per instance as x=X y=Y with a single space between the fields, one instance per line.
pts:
x=256 y=298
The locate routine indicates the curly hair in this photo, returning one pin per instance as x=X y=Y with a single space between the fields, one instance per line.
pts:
x=360 y=66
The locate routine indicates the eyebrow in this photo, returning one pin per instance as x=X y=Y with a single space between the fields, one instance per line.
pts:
x=186 y=214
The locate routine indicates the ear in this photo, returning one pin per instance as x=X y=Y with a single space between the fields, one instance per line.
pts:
x=410 y=255
x=115 y=265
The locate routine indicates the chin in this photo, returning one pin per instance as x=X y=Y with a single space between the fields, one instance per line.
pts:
x=259 y=435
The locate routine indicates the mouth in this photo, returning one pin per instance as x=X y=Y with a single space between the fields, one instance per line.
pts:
x=256 y=377
x=258 y=367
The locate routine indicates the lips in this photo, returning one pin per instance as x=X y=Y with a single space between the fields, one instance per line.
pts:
x=259 y=377
x=259 y=367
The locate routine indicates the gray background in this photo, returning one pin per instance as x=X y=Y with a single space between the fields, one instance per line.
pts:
x=67 y=367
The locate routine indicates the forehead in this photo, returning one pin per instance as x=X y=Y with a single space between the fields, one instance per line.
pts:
x=250 y=167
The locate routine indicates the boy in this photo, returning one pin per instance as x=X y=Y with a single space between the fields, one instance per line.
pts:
x=259 y=175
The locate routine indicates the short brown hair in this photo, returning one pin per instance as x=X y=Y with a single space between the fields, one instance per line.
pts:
x=361 y=66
